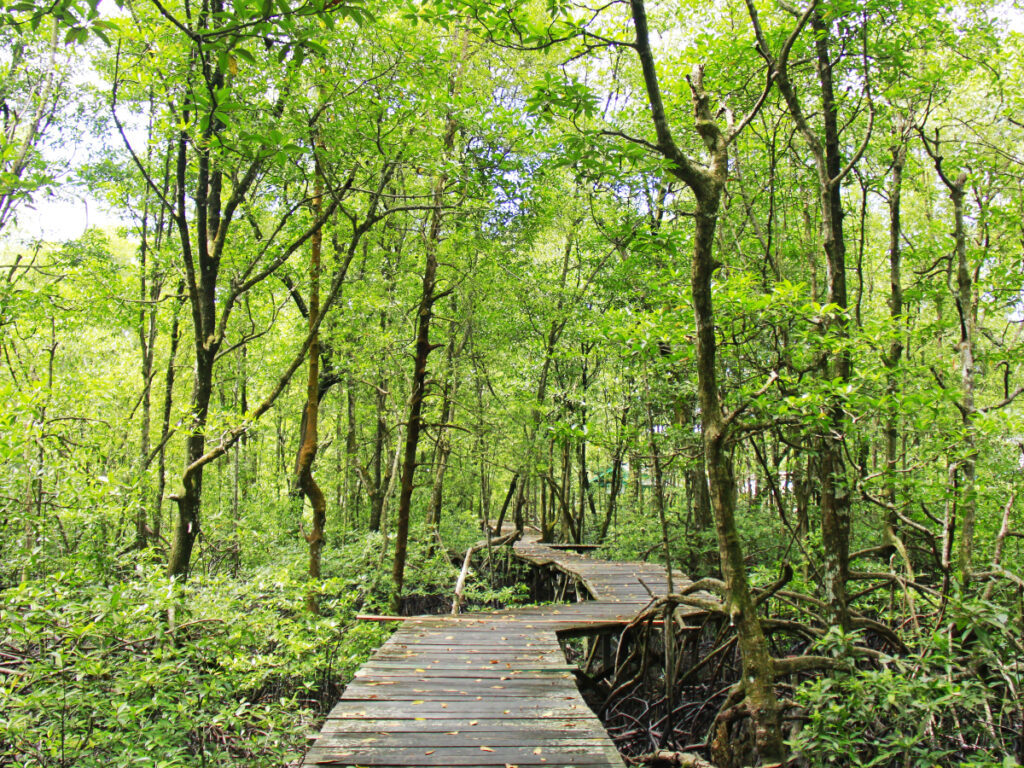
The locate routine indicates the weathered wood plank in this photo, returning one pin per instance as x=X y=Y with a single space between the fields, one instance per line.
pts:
x=464 y=724
x=488 y=689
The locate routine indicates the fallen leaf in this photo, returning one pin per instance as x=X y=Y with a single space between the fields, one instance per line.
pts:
x=486 y=749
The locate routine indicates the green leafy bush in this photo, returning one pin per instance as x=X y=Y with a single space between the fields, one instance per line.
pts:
x=125 y=674
x=916 y=712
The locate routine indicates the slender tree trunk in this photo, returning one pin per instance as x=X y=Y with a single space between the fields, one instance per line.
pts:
x=305 y=482
x=191 y=494
x=894 y=357
x=444 y=449
x=703 y=517
x=968 y=332
x=504 y=506
x=707 y=184
x=835 y=492
x=146 y=331
x=424 y=314
x=614 y=487
x=380 y=481
x=444 y=446
x=659 y=491
x=151 y=283
x=963 y=474
x=165 y=427
x=827 y=156
x=352 y=496
x=415 y=422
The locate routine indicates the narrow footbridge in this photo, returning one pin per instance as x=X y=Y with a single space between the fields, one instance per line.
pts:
x=487 y=689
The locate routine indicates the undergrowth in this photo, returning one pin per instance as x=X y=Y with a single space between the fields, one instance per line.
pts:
x=141 y=671
x=119 y=666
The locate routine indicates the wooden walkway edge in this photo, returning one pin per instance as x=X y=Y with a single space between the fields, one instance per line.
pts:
x=487 y=689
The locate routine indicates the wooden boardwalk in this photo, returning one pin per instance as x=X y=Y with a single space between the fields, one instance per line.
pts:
x=488 y=689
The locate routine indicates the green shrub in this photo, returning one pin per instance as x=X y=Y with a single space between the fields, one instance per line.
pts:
x=915 y=712
x=148 y=673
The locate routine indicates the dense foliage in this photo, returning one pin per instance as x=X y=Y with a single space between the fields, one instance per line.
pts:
x=736 y=286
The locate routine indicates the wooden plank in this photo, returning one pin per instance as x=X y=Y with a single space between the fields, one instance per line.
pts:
x=479 y=710
x=487 y=689
x=479 y=759
x=575 y=726
x=466 y=737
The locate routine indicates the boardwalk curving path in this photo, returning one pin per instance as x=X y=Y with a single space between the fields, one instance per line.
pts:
x=487 y=689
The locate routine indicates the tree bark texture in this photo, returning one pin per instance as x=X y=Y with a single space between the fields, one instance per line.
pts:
x=707 y=184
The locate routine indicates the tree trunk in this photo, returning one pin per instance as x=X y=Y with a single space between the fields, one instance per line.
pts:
x=827 y=156
x=351 y=500
x=707 y=184
x=444 y=446
x=419 y=383
x=702 y=513
x=190 y=497
x=963 y=473
x=966 y=315
x=758 y=668
x=835 y=492
x=424 y=314
x=146 y=332
x=504 y=507
x=305 y=483
x=892 y=360
x=614 y=487
x=375 y=490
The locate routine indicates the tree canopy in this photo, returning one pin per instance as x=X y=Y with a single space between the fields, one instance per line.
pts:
x=736 y=287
